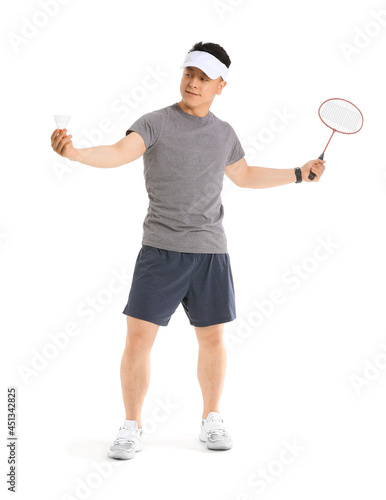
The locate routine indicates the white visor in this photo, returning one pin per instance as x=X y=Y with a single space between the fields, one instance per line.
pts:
x=207 y=63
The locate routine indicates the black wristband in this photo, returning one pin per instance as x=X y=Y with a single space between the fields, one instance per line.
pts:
x=298 y=174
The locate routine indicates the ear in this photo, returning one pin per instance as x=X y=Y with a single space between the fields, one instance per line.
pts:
x=220 y=87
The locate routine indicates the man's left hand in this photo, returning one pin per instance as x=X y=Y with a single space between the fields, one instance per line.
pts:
x=315 y=166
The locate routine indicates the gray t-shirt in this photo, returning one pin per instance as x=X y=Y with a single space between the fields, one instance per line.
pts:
x=184 y=165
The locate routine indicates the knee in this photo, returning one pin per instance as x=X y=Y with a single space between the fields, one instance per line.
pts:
x=212 y=341
x=135 y=342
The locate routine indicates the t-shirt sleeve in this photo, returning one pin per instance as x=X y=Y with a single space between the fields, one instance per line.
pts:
x=148 y=127
x=236 y=150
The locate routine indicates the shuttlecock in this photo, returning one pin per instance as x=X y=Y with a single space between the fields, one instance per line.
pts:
x=61 y=121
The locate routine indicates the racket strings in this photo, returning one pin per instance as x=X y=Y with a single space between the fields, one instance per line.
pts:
x=341 y=116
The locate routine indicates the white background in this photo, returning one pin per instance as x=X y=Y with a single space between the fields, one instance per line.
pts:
x=66 y=228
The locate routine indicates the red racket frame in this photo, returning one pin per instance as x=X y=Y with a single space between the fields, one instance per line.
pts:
x=334 y=130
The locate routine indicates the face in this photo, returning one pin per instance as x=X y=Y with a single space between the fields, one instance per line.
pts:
x=197 y=88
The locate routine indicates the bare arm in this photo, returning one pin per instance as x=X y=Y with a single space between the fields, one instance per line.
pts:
x=237 y=172
x=124 y=151
x=260 y=177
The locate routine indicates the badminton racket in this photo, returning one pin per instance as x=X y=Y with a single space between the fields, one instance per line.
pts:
x=341 y=116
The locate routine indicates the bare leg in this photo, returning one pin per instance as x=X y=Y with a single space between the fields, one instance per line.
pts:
x=135 y=365
x=211 y=365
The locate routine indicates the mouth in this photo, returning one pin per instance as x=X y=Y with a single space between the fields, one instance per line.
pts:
x=191 y=93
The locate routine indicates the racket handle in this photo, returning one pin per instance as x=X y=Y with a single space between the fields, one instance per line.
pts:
x=312 y=175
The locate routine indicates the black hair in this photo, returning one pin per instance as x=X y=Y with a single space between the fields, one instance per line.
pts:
x=214 y=49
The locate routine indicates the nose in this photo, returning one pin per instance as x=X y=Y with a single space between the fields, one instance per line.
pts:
x=192 y=82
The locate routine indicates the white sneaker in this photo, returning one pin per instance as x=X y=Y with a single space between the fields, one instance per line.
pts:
x=213 y=432
x=127 y=442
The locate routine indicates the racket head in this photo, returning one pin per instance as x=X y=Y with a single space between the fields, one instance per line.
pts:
x=341 y=115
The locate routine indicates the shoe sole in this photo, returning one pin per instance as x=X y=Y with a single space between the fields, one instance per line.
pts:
x=219 y=446
x=216 y=446
x=121 y=454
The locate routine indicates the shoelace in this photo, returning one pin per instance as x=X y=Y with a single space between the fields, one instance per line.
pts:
x=125 y=439
x=215 y=419
x=219 y=432
x=122 y=440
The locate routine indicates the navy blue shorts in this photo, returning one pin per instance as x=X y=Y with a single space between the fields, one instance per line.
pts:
x=163 y=279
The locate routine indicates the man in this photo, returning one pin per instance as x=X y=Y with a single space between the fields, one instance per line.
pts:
x=183 y=258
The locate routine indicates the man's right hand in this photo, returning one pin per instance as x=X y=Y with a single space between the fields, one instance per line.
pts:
x=61 y=143
x=124 y=151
